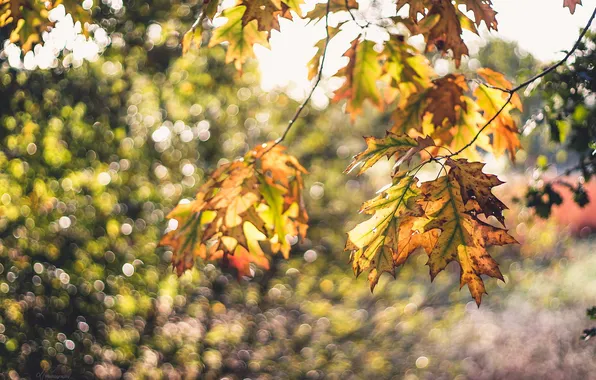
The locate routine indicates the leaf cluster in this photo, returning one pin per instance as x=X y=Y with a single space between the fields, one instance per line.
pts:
x=442 y=217
x=255 y=199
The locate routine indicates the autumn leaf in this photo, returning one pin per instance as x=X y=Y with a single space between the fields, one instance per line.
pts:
x=265 y=12
x=240 y=37
x=476 y=186
x=294 y=5
x=401 y=146
x=505 y=135
x=446 y=33
x=483 y=11
x=406 y=70
x=463 y=237
x=243 y=204
x=416 y=7
x=571 y=4
x=445 y=99
x=384 y=241
x=462 y=133
x=320 y=10
x=362 y=73
x=409 y=116
x=314 y=64
x=392 y=144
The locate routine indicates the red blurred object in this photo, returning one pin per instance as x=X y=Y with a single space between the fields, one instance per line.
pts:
x=581 y=220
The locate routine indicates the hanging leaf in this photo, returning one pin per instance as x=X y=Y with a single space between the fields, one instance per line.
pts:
x=257 y=199
x=362 y=73
x=463 y=237
x=401 y=146
x=476 y=188
x=571 y=4
x=505 y=135
x=384 y=242
x=264 y=12
x=483 y=11
x=445 y=99
x=241 y=38
x=320 y=10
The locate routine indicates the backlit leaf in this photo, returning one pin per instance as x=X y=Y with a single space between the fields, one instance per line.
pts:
x=258 y=199
x=240 y=37
x=376 y=243
x=362 y=73
x=463 y=237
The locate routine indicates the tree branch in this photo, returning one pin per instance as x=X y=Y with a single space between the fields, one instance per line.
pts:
x=314 y=87
x=562 y=61
x=512 y=91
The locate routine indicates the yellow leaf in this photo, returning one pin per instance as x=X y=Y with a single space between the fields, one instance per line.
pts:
x=384 y=241
x=240 y=38
x=362 y=73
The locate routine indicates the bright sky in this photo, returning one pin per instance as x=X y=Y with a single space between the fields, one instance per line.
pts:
x=541 y=27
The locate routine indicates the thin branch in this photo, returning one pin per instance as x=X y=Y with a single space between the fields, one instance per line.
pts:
x=512 y=91
x=569 y=53
x=198 y=21
x=484 y=126
x=354 y=17
x=317 y=81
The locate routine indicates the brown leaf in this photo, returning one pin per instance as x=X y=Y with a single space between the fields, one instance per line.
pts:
x=477 y=186
x=463 y=237
x=446 y=33
x=445 y=99
x=483 y=11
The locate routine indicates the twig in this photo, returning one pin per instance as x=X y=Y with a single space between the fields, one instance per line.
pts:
x=512 y=91
x=484 y=126
x=317 y=81
x=198 y=21
x=569 y=53
x=354 y=17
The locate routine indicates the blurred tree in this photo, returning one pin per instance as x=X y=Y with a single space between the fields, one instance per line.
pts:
x=94 y=158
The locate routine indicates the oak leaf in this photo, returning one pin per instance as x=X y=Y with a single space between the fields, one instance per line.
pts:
x=376 y=148
x=505 y=135
x=386 y=240
x=476 y=188
x=445 y=99
x=320 y=10
x=240 y=37
x=362 y=73
x=400 y=146
x=243 y=204
x=483 y=11
x=571 y=4
x=265 y=12
x=463 y=237
x=446 y=33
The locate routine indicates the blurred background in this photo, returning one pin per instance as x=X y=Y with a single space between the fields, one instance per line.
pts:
x=96 y=151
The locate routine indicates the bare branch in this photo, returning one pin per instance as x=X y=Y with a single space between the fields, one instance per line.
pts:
x=562 y=61
x=314 y=87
